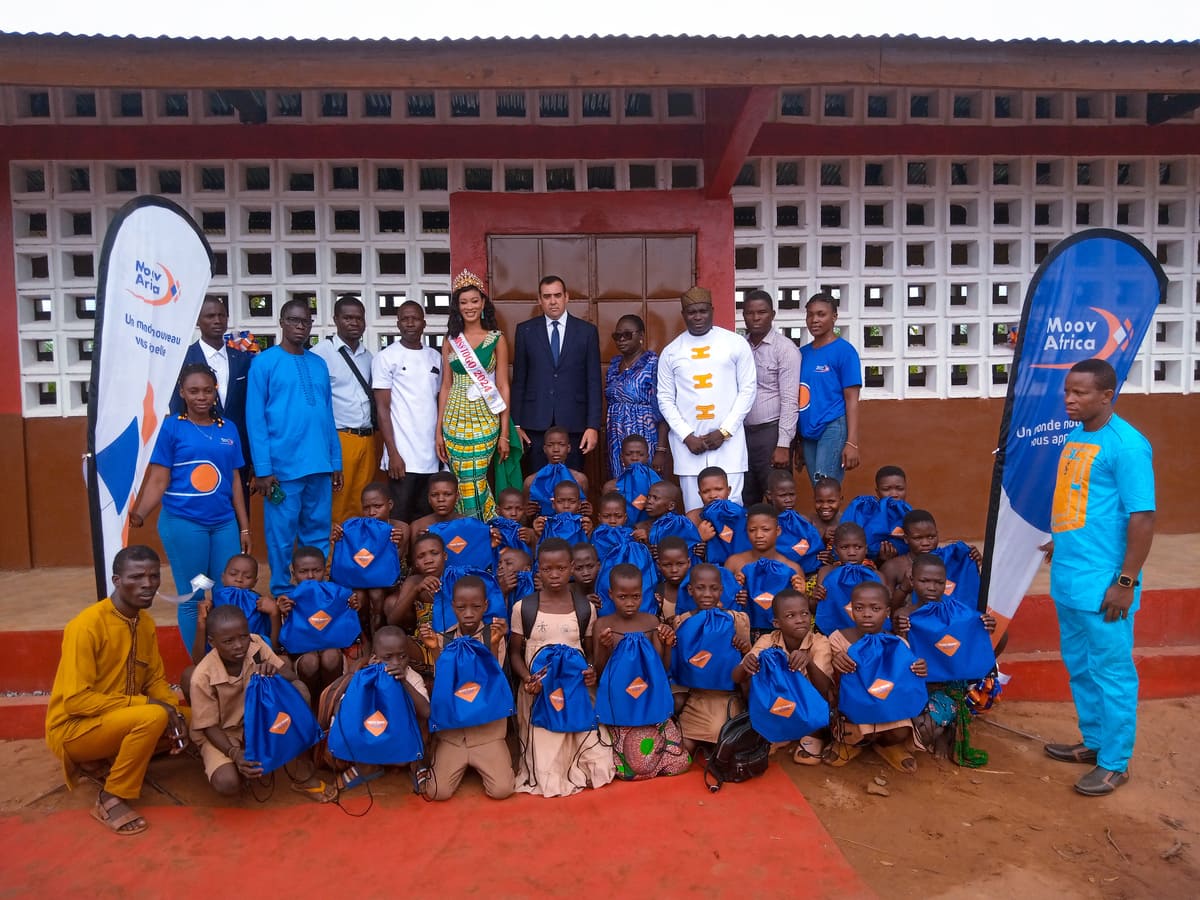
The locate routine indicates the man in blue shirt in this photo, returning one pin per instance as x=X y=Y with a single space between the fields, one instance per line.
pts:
x=1103 y=523
x=293 y=443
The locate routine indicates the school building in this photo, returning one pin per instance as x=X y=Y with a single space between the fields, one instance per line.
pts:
x=920 y=180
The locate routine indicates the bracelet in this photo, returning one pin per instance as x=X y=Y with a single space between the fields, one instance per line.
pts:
x=245 y=531
x=660 y=450
x=848 y=444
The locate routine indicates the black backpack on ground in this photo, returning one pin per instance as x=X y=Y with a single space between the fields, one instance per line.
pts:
x=741 y=754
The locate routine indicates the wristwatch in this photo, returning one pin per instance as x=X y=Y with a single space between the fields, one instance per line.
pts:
x=1125 y=581
x=728 y=434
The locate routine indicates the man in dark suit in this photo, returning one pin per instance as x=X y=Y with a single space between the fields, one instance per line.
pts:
x=556 y=377
x=230 y=365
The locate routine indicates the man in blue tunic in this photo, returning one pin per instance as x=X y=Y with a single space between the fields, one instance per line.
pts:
x=1103 y=524
x=293 y=443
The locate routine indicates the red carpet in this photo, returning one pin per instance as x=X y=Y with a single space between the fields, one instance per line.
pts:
x=660 y=838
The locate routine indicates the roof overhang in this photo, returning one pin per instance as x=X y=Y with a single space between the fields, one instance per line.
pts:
x=83 y=61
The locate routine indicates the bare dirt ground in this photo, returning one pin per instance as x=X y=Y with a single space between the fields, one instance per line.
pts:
x=1014 y=828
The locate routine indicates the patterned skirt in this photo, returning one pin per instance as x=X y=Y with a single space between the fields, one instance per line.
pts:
x=470 y=431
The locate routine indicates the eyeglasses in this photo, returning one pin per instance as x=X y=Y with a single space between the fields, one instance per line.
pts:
x=297 y=321
x=624 y=335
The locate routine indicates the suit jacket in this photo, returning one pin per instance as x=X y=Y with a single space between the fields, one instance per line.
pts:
x=234 y=407
x=567 y=394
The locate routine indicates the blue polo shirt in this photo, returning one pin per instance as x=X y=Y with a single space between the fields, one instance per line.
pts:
x=201 y=460
x=825 y=372
x=1103 y=477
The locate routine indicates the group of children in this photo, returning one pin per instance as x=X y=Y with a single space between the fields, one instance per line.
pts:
x=619 y=636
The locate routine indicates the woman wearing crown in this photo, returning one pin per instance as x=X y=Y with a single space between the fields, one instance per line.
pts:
x=473 y=401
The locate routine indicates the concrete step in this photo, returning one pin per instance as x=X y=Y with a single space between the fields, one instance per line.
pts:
x=1167 y=618
x=29 y=659
x=1162 y=672
x=23 y=716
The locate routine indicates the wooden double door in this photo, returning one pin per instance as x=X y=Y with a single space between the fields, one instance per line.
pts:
x=607 y=276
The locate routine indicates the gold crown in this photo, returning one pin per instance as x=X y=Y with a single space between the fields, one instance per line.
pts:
x=467 y=278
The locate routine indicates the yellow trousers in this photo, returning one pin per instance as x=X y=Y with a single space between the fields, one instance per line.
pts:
x=360 y=462
x=128 y=737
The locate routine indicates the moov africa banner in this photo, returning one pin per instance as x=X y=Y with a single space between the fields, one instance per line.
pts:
x=1093 y=297
x=154 y=271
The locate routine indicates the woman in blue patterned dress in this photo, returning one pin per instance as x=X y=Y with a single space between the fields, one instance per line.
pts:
x=631 y=393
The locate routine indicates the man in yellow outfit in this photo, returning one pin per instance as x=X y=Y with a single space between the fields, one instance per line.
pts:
x=111 y=699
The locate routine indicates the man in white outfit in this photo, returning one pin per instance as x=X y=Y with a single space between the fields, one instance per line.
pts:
x=706 y=386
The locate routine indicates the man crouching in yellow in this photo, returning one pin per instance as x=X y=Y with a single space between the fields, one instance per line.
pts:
x=111 y=699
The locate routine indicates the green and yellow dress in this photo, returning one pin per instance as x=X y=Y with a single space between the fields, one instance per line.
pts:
x=470 y=431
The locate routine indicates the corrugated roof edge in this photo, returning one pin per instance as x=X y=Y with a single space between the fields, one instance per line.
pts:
x=613 y=37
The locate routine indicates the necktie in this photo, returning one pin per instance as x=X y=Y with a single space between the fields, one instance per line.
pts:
x=555 y=343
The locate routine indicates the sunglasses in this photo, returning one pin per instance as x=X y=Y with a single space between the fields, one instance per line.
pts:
x=624 y=335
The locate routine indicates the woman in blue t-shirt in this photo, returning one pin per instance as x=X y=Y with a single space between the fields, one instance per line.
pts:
x=830 y=379
x=194 y=472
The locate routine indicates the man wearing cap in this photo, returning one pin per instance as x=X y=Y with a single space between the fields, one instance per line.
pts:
x=706 y=386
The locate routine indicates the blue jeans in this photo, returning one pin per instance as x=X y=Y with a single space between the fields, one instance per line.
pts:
x=195 y=549
x=1104 y=681
x=303 y=517
x=823 y=455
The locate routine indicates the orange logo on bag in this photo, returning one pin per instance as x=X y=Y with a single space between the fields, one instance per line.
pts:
x=457 y=545
x=281 y=724
x=468 y=692
x=636 y=688
x=319 y=619
x=898 y=531
x=881 y=688
x=376 y=723
x=948 y=644
x=364 y=557
x=557 y=700
x=764 y=599
x=639 y=502
x=727 y=534
x=950 y=586
x=783 y=707
x=700 y=660
x=800 y=547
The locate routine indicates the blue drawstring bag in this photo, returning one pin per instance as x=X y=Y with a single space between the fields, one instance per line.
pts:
x=510 y=536
x=675 y=525
x=883 y=687
x=704 y=655
x=247 y=601
x=568 y=526
x=607 y=538
x=524 y=588
x=950 y=637
x=320 y=620
x=882 y=518
x=799 y=540
x=375 y=722
x=279 y=725
x=833 y=612
x=564 y=705
x=634 y=554
x=443 y=608
x=365 y=557
x=962 y=575
x=469 y=688
x=634 y=484
x=729 y=519
x=764 y=579
x=729 y=591
x=468 y=542
x=634 y=689
x=541 y=489
x=784 y=705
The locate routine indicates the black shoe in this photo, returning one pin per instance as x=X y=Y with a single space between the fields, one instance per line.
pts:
x=1100 y=781
x=1071 y=753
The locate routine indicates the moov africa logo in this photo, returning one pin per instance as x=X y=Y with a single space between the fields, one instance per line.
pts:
x=153 y=284
x=1085 y=338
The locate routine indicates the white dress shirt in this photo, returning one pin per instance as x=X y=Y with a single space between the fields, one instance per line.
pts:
x=351 y=405
x=218 y=360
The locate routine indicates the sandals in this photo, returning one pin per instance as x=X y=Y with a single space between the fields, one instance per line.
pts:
x=352 y=778
x=127 y=823
x=896 y=756
x=1100 y=781
x=808 y=751
x=318 y=793
x=840 y=753
x=1071 y=753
